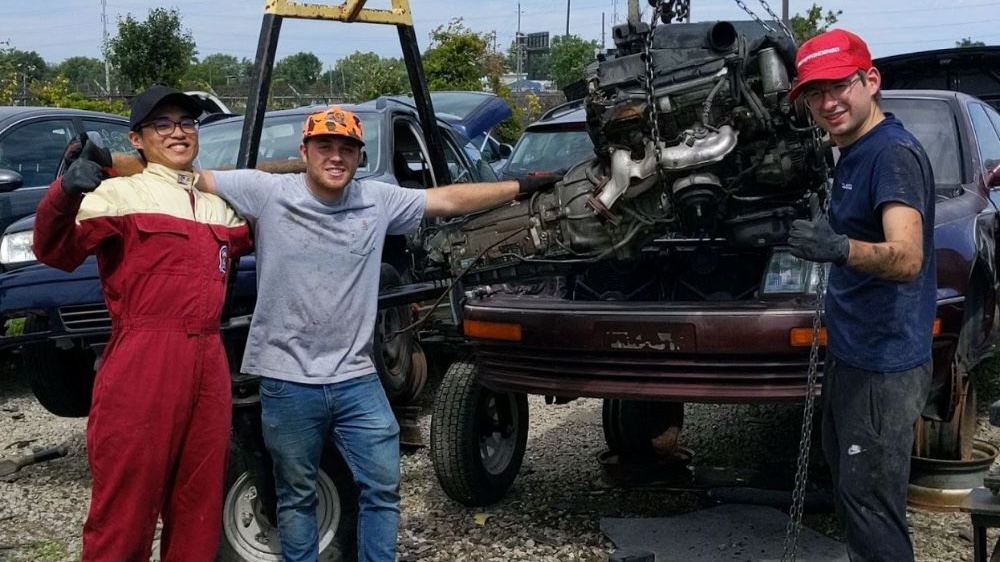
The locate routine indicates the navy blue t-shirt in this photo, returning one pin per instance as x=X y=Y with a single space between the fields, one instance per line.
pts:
x=876 y=324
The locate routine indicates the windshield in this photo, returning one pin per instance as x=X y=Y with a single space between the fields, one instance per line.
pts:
x=279 y=140
x=939 y=137
x=549 y=150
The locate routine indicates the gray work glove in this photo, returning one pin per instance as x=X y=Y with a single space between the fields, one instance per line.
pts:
x=87 y=171
x=816 y=241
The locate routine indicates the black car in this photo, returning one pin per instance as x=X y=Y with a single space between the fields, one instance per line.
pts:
x=32 y=141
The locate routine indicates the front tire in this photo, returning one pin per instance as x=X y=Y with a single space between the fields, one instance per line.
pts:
x=62 y=380
x=478 y=437
x=249 y=536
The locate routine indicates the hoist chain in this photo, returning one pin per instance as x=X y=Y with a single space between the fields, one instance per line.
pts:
x=805 y=438
x=762 y=23
x=651 y=109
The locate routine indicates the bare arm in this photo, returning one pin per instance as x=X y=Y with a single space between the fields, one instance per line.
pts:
x=898 y=258
x=460 y=199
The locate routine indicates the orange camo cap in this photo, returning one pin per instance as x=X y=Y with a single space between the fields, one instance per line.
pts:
x=333 y=120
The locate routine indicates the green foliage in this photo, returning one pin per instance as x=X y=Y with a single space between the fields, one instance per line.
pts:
x=968 y=42
x=156 y=51
x=364 y=76
x=8 y=78
x=85 y=74
x=59 y=93
x=29 y=65
x=300 y=71
x=813 y=22
x=456 y=58
x=216 y=71
x=569 y=56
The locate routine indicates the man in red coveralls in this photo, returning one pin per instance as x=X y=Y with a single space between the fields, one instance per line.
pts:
x=158 y=433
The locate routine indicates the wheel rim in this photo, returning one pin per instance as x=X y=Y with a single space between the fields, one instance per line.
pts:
x=498 y=431
x=253 y=539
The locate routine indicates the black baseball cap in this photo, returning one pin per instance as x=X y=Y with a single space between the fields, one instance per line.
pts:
x=158 y=94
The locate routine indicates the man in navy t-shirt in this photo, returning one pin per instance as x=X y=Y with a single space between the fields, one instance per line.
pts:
x=880 y=301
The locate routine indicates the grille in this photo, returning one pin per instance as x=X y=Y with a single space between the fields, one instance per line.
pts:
x=85 y=317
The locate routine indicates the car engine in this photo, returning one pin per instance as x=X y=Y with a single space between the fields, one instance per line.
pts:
x=696 y=140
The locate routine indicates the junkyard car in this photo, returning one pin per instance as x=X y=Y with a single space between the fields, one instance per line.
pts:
x=662 y=259
x=32 y=141
x=556 y=141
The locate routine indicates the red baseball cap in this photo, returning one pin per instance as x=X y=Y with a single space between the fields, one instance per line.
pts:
x=832 y=55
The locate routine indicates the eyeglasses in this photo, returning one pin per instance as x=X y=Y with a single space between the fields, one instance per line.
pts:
x=815 y=95
x=165 y=127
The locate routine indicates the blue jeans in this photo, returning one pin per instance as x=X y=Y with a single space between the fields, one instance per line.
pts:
x=298 y=420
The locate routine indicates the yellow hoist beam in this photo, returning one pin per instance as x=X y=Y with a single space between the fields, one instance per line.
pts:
x=349 y=11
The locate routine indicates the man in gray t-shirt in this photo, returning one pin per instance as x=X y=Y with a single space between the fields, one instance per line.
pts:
x=319 y=239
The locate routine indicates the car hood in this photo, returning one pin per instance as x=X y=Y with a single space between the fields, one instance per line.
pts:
x=470 y=113
x=962 y=69
x=26 y=223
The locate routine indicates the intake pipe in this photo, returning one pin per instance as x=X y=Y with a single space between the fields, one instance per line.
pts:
x=722 y=36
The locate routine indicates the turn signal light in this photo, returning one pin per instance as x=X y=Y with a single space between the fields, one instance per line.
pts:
x=803 y=337
x=492 y=330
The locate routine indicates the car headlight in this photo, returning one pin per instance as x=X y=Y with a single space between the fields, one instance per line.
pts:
x=15 y=248
x=789 y=275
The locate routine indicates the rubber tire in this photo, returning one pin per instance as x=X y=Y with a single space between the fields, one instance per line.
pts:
x=475 y=464
x=340 y=547
x=62 y=380
x=953 y=439
x=630 y=425
x=393 y=361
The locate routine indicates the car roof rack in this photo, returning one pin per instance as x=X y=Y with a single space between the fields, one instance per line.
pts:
x=562 y=109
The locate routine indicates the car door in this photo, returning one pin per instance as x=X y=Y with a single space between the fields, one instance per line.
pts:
x=32 y=148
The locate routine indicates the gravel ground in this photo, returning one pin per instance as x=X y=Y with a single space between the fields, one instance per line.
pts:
x=551 y=514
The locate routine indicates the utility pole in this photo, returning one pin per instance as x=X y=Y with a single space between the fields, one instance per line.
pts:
x=784 y=12
x=107 y=65
x=567 y=18
x=518 y=42
x=603 y=47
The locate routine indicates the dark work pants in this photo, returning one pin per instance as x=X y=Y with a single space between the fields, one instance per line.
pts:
x=868 y=420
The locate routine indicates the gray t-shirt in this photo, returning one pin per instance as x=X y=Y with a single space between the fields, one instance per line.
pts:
x=318 y=269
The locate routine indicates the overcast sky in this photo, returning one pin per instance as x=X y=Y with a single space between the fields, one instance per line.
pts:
x=57 y=29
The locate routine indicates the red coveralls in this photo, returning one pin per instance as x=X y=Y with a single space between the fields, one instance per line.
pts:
x=159 y=426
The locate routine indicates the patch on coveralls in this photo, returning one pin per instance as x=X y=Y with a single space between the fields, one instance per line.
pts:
x=223 y=259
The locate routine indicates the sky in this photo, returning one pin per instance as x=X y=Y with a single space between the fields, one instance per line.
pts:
x=58 y=29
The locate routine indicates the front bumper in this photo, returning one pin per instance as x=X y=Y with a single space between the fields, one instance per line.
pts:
x=712 y=352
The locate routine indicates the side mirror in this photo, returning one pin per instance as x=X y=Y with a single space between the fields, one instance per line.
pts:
x=506 y=150
x=10 y=180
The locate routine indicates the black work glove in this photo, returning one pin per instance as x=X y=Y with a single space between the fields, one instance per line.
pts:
x=816 y=241
x=533 y=183
x=89 y=168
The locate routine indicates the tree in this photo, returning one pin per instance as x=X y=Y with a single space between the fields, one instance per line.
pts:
x=59 y=93
x=8 y=78
x=216 y=71
x=968 y=42
x=456 y=58
x=568 y=58
x=157 y=51
x=29 y=65
x=364 y=76
x=85 y=74
x=813 y=22
x=300 y=71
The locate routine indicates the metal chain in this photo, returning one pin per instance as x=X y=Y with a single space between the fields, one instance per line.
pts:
x=805 y=437
x=653 y=112
x=775 y=17
x=762 y=23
